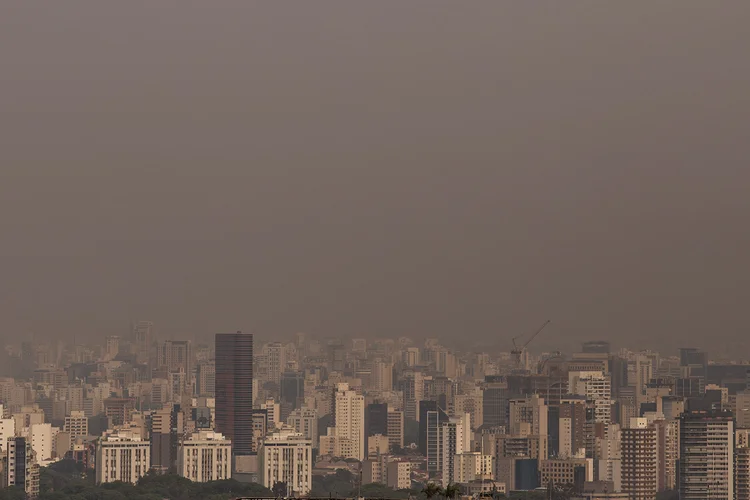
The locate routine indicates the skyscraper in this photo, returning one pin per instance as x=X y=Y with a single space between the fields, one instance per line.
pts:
x=234 y=389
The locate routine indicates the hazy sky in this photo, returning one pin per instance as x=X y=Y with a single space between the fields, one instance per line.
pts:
x=454 y=169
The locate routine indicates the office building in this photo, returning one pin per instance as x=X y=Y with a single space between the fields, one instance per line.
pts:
x=395 y=431
x=706 y=470
x=122 y=456
x=234 y=389
x=495 y=401
x=286 y=457
x=205 y=456
x=412 y=387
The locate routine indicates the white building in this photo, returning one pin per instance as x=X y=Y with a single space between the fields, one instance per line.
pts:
x=21 y=467
x=205 y=456
x=122 y=456
x=350 y=420
x=40 y=436
x=286 y=456
x=706 y=468
x=597 y=387
x=455 y=438
x=7 y=430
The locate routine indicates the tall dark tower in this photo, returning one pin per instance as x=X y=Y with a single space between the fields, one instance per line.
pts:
x=234 y=389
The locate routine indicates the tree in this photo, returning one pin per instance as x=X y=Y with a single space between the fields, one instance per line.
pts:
x=279 y=489
x=451 y=491
x=431 y=490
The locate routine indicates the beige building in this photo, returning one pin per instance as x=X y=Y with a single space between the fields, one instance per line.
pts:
x=286 y=457
x=472 y=465
x=122 y=456
x=350 y=422
x=205 y=456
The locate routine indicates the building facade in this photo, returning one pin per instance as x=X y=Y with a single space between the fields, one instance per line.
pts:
x=205 y=456
x=234 y=389
x=122 y=456
x=286 y=457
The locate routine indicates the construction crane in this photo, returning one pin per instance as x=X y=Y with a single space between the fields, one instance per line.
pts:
x=517 y=352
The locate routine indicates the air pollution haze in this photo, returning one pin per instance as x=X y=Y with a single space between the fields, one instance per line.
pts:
x=437 y=169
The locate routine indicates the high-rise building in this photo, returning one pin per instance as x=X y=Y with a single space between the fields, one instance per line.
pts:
x=174 y=356
x=275 y=357
x=639 y=460
x=166 y=428
x=205 y=379
x=471 y=403
x=305 y=421
x=286 y=457
x=455 y=439
x=532 y=411
x=706 y=455
x=376 y=420
x=429 y=430
x=122 y=456
x=205 y=456
x=292 y=389
x=596 y=387
x=495 y=400
x=111 y=347
x=668 y=449
x=472 y=466
x=742 y=473
x=7 y=430
x=572 y=427
x=382 y=376
x=234 y=389
x=395 y=428
x=350 y=420
x=20 y=466
x=412 y=387
x=142 y=335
